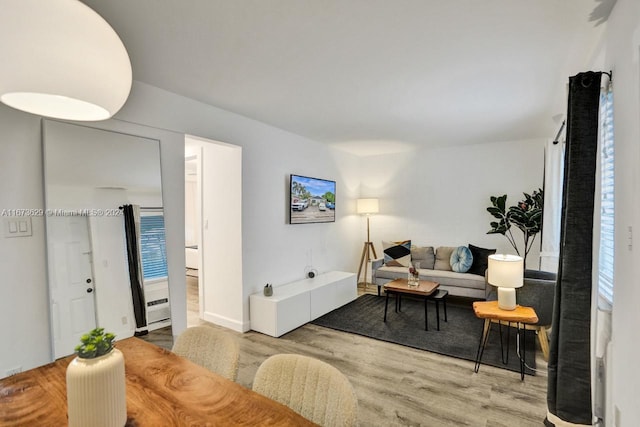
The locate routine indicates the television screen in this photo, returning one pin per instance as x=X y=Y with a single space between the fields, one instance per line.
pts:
x=312 y=200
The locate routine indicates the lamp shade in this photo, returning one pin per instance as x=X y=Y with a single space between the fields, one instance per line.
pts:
x=61 y=59
x=505 y=271
x=367 y=206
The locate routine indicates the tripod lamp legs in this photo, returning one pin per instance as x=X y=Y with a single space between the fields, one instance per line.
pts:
x=367 y=249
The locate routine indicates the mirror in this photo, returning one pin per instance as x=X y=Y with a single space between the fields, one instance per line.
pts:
x=90 y=174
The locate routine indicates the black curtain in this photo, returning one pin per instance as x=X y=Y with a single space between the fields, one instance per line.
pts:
x=569 y=387
x=135 y=269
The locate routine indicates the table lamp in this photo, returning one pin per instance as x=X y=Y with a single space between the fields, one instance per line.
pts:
x=506 y=272
x=367 y=207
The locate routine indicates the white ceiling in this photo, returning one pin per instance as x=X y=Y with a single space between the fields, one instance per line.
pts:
x=369 y=75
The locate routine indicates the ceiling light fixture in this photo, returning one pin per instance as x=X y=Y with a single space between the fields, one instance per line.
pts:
x=61 y=59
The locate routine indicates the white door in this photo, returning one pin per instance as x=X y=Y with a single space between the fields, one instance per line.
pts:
x=71 y=282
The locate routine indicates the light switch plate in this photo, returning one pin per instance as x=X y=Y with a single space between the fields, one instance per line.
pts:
x=17 y=226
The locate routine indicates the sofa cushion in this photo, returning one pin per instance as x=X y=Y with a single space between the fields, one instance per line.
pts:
x=480 y=259
x=461 y=259
x=444 y=278
x=443 y=258
x=425 y=255
x=397 y=254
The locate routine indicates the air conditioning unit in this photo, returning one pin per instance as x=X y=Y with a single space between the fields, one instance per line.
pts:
x=159 y=314
x=158 y=308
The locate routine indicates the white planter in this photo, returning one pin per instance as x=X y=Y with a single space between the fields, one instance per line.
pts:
x=96 y=394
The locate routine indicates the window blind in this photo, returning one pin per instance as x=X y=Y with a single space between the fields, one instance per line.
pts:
x=607 y=205
x=152 y=247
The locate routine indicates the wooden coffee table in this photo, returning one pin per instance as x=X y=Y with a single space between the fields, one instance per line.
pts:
x=400 y=287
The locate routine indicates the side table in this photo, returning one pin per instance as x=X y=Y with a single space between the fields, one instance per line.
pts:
x=439 y=295
x=489 y=310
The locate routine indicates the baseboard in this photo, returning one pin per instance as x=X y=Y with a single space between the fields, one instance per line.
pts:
x=226 y=322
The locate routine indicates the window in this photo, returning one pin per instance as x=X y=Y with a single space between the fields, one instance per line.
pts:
x=606 y=253
x=152 y=247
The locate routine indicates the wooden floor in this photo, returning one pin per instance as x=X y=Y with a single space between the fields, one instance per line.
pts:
x=397 y=385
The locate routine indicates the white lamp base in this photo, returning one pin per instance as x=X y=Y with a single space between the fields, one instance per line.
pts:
x=507 y=298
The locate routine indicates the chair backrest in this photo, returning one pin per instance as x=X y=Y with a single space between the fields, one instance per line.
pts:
x=312 y=388
x=539 y=274
x=539 y=294
x=211 y=349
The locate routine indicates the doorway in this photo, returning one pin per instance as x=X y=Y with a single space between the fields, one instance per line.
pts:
x=70 y=281
x=192 y=226
x=213 y=232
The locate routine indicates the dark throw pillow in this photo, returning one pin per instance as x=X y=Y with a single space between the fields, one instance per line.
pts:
x=480 y=259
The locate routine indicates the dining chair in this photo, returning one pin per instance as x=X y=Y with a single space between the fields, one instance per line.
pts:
x=312 y=388
x=212 y=349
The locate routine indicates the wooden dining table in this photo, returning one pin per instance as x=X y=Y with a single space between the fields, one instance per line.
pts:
x=163 y=389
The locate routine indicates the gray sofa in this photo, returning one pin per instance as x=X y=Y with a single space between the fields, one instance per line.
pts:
x=434 y=266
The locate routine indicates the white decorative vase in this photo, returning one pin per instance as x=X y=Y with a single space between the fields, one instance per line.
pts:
x=96 y=394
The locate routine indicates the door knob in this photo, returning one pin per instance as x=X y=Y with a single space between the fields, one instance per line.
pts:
x=89 y=290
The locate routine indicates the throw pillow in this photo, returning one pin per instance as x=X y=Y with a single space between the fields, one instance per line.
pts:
x=424 y=255
x=461 y=259
x=443 y=258
x=397 y=254
x=480 y=259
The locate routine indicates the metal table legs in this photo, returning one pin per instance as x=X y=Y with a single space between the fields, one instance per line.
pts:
x=520 y=338
x=398 y=301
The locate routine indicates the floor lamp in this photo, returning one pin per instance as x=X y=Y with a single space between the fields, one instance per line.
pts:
x=366 y=207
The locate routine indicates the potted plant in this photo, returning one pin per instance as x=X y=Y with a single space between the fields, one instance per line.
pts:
x=525 y=215
x=95 y=344
x=96 y=392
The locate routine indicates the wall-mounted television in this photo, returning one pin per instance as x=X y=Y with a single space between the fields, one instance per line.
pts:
x=311 y=200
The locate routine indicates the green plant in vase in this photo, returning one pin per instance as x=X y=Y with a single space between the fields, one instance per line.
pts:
x=95 y=344
x=525 y=215
x=96 y=385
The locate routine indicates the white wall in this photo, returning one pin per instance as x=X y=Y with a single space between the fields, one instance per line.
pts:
x=24 y=307
x=622 y=49
x=439 y=197
x=191 y=220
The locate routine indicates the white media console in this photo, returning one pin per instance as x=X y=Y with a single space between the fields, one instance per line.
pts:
x=294 y=304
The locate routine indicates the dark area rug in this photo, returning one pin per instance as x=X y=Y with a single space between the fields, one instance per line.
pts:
x=459 y=337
